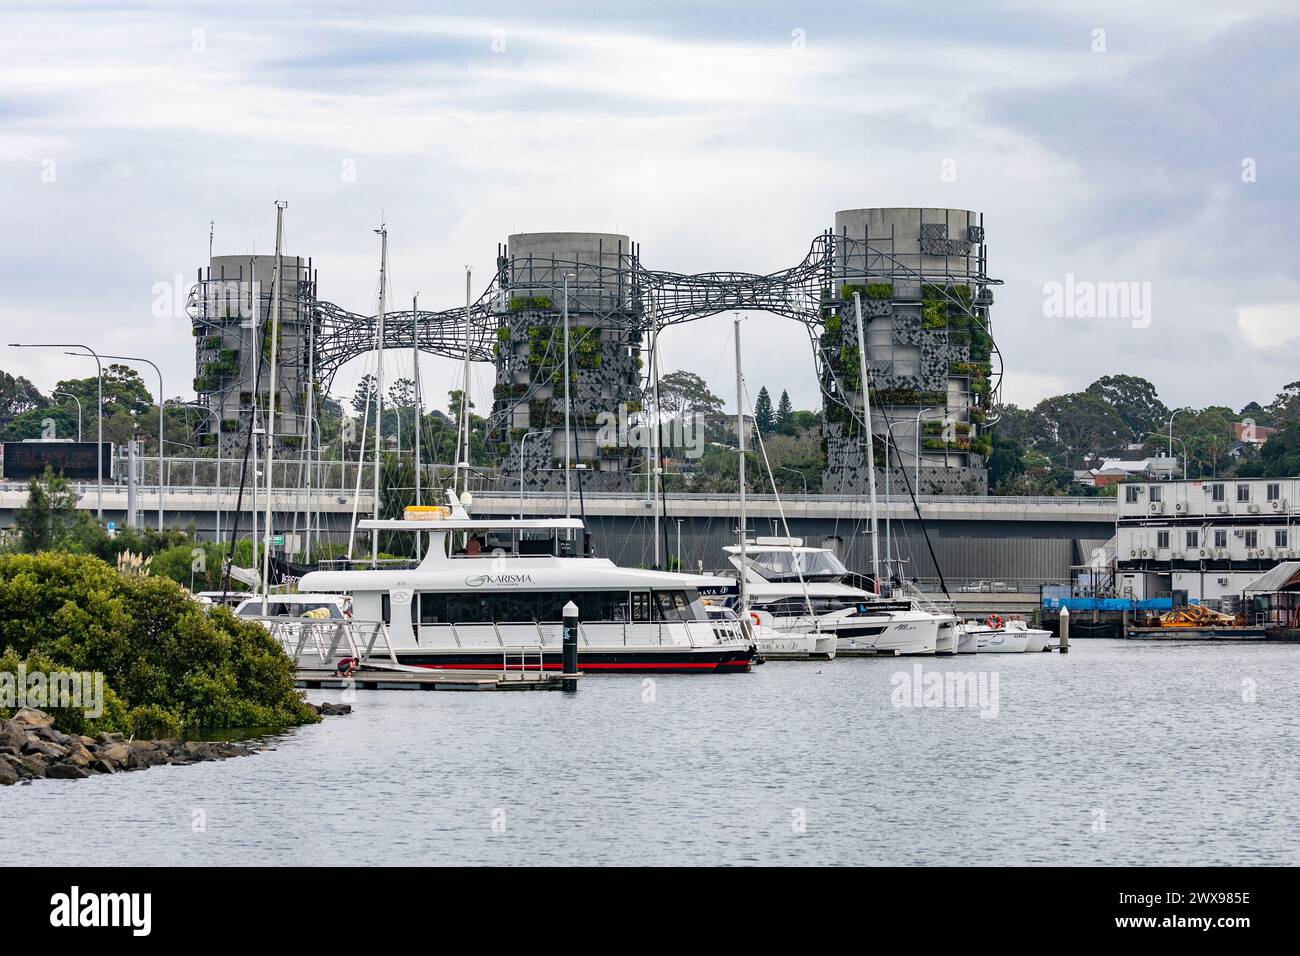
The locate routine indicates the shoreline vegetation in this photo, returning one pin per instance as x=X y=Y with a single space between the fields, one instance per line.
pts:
x=163 y=666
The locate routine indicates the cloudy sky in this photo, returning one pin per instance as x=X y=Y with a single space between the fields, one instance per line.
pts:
x=1150 y=143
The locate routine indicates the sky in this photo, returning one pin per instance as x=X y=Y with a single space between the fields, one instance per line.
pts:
x=1151 y=145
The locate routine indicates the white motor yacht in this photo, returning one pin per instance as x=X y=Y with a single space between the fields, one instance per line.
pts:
x=489 y=594
x=995 y=636
x=797 y=589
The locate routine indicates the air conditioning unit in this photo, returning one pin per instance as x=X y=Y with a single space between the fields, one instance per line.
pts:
x=1223 y=552
x=1205 y=552
x=1180 y=507
x=1277 y=504
x=1253 y=508
x=1250 y=553
x=1222 y=580
x=1221 y=508
x=1133 y=553
x=1239 y=533
x=1156 y=507
x=1146 y=553
x=1176 y=555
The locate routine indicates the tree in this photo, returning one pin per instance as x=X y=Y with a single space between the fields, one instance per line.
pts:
x=764 y=419
x=363 y=397
x=18 y=395
x=1279 y=457
x=51 y=509
x=685 y=393
x=401 y=394
x=1007 y=461
x=1070 y=426
x=785 y=414
x=1135 y=400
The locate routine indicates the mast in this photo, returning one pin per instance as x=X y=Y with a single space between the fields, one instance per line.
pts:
x=658 y=453
x=740 y=442
x=379 y=376
x=276 y=281
x=415 y=360
x=871 y=448
x=464 y=396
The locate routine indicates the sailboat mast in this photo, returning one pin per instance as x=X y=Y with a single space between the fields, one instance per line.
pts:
x=379 y=376
x=464 y=397
x=865 y=387
x=270 y=407
x=415 y=361
x=740 y=443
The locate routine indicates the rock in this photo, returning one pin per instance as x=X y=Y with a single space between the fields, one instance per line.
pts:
x=86 y=741
x=7 y=751
x=34 y=765
x=115 y=753
x=13 y=734
x=8 y=775
x=334 y=710
x=51 y=735
x=78 y=755
x=65 y=771
x=107 y=738
x=30 y=717
x=102 y=766
x=53 y=751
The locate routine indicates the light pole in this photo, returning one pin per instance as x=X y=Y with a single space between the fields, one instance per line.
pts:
x=522 y=442
x=933 y=408
x=99 y=417
x=78 y=401
x=129 y=358
x=1171 y=441
x=568 y=451
x=793 y=471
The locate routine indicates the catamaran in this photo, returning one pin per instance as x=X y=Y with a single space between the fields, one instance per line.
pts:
x=795 y=589
x=495 y=601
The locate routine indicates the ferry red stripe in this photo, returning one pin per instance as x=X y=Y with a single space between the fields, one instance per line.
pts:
x=631 y=665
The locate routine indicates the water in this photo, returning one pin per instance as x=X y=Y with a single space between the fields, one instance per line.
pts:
x=1119 y=753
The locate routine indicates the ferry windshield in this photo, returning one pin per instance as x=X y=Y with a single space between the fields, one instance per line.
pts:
x=789 y=565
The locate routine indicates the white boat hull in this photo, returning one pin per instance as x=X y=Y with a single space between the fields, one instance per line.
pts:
x=967 y=641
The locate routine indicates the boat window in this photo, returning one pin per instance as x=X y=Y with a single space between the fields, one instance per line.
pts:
x=789 y=565
x=517 y=607
x=640 y=605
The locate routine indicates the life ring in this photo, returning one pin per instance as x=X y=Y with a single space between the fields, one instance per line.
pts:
x=994 y=622
x=753 y=616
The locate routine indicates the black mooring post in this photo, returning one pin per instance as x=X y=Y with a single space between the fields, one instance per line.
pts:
x=569 y=657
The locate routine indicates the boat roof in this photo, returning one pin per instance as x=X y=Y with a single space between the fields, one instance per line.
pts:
x=533 y=572
x=473 y=524
x=296 y=597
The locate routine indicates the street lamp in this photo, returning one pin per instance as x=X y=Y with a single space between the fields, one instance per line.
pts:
x=932 y=408
x=1171 y=441
x=522 y=441
x=568 y=509
x=99 y=440
x=795 y=471
x=78 y=401
x=129 y=358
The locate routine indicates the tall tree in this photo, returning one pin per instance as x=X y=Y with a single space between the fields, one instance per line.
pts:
x=18 y=395
x=785 y=414
x=764 y=419
x=1135 y=400
x=363 y=398
x=51 y=509
x=685 y=393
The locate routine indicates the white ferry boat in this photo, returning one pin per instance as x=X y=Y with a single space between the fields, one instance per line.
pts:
x=488 y=595
x=783 y=578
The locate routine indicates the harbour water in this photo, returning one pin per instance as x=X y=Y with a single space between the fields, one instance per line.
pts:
x=1118 y=753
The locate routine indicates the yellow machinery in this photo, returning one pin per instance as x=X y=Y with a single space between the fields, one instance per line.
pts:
x=1193 y=615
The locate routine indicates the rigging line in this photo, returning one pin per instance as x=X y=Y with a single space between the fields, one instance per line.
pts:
x=803 y=585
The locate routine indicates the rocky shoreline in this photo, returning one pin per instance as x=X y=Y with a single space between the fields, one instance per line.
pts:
x=30 y=748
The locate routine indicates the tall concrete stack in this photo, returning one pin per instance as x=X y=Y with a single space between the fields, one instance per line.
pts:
x=605 y=364
x=920 y=275
x=231 y=319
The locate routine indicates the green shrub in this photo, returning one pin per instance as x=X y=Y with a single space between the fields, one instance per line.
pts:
x=172 y=664
x=880 y=290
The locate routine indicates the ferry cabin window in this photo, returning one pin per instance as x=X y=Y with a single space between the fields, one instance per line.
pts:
x=1162 y=538
x=1243 y=492
x=1193 y=539
x=1279 y=538
x=1216 y=492
x=1273 y=491
x=1130 y=493
x=548 y=606
x=386 y=609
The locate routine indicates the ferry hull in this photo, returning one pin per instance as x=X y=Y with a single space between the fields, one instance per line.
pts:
x=613 y=661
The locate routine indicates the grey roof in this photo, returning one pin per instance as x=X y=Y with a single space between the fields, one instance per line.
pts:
x=1276 y=578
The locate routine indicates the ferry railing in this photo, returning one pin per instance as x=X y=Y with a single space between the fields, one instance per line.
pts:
x=523 y=654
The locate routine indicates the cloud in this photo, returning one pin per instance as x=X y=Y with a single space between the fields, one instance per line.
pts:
x=1269 y=326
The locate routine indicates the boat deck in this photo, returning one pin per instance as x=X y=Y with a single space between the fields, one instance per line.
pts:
x=430 y=679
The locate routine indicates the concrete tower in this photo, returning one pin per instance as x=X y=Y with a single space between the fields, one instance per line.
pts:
x=231 y=318
x=605 y=362
x=920 y=274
